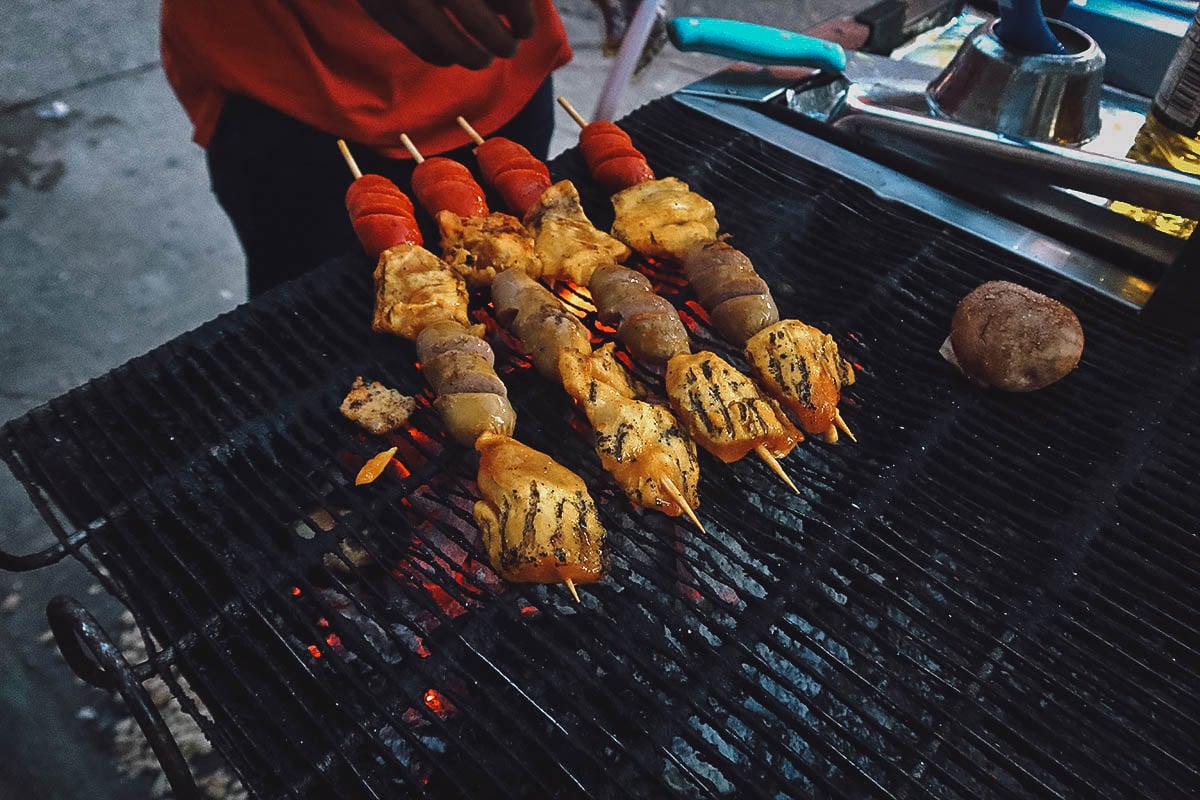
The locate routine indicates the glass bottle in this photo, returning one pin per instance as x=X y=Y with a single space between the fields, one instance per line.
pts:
x=1170 y=137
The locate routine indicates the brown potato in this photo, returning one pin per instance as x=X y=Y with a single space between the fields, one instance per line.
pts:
x=1006 y=336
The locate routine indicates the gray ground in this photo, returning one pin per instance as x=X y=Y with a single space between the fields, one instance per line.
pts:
x=110 y=244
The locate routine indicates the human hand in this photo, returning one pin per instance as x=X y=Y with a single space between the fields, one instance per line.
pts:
x=469 y=33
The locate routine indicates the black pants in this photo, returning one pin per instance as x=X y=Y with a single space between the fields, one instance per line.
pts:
x=283 y=183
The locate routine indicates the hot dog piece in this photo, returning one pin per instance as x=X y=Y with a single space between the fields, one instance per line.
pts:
x=728 y=286
x=514 y=172
x=442 y=184
x=646 y=323
x=601 y=142
x=538 y=521
x=381 y=214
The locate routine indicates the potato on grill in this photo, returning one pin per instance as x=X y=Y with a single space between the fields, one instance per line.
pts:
x=539 y=523
x=570 y=246
x=477 y=248
x=413 y=289
x=801 y=366
x=723 y=410
x=663 y=218
x=639 y=443
x=375 y=407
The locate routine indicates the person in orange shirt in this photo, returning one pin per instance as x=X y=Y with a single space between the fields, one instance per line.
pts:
x=270 y=86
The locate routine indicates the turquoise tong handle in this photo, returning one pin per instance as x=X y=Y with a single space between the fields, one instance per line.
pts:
x=745 y=41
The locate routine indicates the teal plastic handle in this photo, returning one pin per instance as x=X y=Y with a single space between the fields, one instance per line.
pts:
x=745 y=41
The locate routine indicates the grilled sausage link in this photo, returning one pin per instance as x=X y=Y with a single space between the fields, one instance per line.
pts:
x=442 y=184
x=538 y=521
x=381 y=214
x=470 y=397
x=612 y=159
x=538 y=319
x=646 y=323
x=727 y=285
x=518 y=175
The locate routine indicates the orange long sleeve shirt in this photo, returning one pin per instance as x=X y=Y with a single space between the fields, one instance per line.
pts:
x=327 y=63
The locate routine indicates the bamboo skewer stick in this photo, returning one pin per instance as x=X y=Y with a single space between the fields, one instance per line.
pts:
x=470 y=129
x=771 y=461
x=570 y=109
x=571 y=586
x=842 y=426
x=350 y=162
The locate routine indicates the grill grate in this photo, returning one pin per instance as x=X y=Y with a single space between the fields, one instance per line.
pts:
x=990 y=596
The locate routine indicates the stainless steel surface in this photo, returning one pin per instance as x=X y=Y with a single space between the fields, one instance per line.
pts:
x=1102 y=276
x=1041 y=97
x=1141 y=184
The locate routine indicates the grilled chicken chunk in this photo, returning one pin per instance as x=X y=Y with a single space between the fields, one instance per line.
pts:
x=800 y=365
x=723 y=410
x=377 y=408
x=414 y=288
x=539 y=523
x=538 y=319
x=639 y=443
x=663 y=218
x=477 y=248
x=569 y=245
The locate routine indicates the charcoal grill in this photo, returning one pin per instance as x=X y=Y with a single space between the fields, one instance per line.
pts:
x=990 y=595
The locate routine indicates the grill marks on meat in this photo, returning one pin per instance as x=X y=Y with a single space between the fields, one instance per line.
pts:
x=538 y=521
x=663 y=218
x=375 y=407
x=737 y=299
x=646 y=323
x=639 y=443
x=470 y=397
x=724 y=411
x=414 y=288
x=570 y=247
x=538 y=319
x=477 y=248
x=801 y=365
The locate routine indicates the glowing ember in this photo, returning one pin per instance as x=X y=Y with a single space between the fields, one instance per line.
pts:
x=529 y=610
x=333 y=640
x=314 y=651
x=437 y=703
x=295 y=591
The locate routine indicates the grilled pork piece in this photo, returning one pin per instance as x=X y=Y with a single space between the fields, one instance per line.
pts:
x=800 y=365
x=727 y=285
x=569 y=245
x=663 y=218
x=539 y=523
x=538 y=319
x=414 y=288
x=723 y=410
x=471 y=398
x=646 y=323
x=375 y=407
x=639 y=443
x=477 y=248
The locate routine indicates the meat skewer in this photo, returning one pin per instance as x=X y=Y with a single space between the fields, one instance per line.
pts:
x=639 y=444
x=798 y=364
x=538 y=522
x=721 y=408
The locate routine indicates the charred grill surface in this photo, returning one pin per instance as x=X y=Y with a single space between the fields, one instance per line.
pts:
x=990 y=596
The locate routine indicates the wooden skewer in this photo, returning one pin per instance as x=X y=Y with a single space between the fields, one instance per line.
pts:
x=470 y=129
x=842 y=426
x=677 y=496
x=411 y=148
x=571 y=585
x=775 y=466
x=350 y=162
x=570 y=109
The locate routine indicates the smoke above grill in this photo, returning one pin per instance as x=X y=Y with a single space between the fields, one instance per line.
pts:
x=989 y=596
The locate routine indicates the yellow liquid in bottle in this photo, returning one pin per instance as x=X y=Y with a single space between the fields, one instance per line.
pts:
x=1157 y=144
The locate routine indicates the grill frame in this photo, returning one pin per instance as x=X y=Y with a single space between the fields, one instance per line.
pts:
x=833 y=546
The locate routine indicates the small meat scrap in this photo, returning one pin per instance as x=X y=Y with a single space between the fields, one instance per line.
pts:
x=375 y=407
x=639 y=443
x=569 y=245
x=477 y=248
x=800 y=365
x=538 y=521
x=413 y=289
x=663 y=218
x=723 y=410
